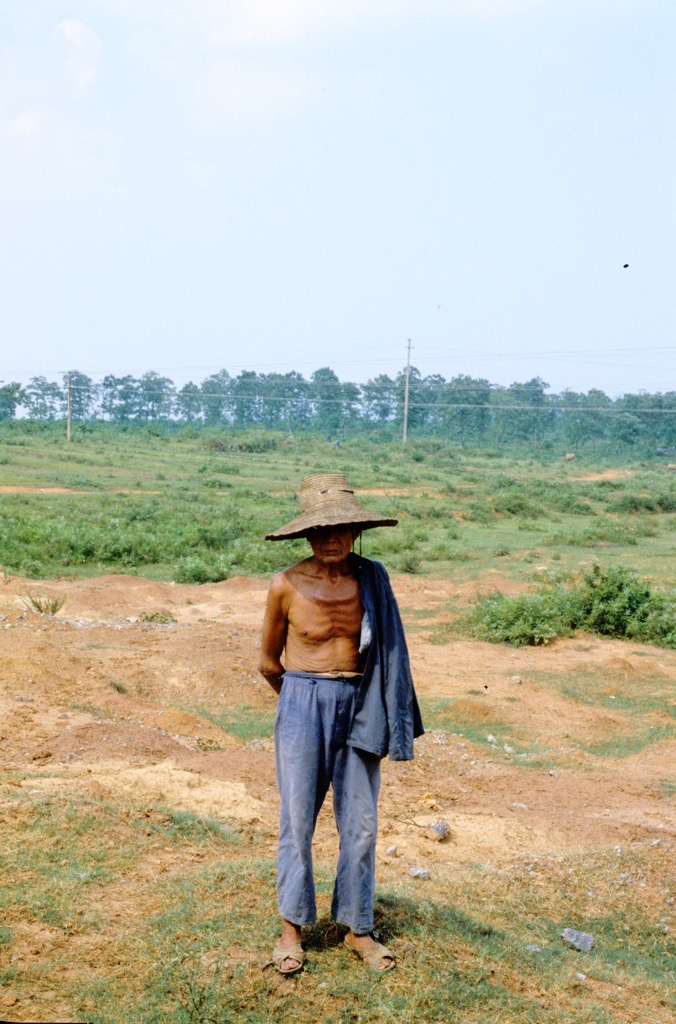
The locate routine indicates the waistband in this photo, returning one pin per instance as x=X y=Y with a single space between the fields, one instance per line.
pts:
x=337 y=678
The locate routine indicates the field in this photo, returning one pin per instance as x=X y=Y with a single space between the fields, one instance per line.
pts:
x=137 y=795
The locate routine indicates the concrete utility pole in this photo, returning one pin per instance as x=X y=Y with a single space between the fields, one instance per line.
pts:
x=406 y=387
x=69 y=425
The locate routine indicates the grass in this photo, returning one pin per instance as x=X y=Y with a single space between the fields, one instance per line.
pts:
x=190 y=507
x=114 y=911
x=185 y=945
x=246 y=723
x=636 y=694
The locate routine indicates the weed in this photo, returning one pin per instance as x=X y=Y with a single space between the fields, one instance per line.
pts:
x=42 y=603
x=160 y=617
x=409 y=563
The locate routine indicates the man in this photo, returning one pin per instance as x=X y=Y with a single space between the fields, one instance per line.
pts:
x=346 y=699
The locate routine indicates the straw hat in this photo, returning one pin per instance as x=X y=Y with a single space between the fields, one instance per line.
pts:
x=328 y=500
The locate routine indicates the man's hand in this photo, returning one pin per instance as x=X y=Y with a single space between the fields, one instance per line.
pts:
x=274 y=675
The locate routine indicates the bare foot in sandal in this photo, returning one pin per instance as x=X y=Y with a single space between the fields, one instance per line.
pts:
x=290 y=941
x=374 y=954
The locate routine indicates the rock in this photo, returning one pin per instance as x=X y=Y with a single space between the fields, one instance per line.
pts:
x=532 y=948
x=421 y=873
x=439 y=830
x=578 y=940
x=392 y=851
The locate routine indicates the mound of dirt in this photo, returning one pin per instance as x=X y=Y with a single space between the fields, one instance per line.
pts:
x=108 y=696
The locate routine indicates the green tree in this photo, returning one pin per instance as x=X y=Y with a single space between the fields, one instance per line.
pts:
x=326 y=395
x=11 y=395
x=584 y=417
x=531 y=410
x=284 y=400
x=216 y=391
x=189 y=402
x=246 y=398
x=43 y=398
x=379 y=399
x=120 y=398
x=84 y=395
x=418 y=401
x=626 y=429
x=156 y=396
x=463 y=408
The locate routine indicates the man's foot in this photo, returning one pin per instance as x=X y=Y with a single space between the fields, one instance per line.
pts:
x=374 y=954
x=288 y=956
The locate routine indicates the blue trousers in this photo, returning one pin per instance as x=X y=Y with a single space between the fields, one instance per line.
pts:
x=313 y=719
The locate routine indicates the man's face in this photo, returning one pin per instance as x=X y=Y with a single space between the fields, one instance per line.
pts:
x=331 y=544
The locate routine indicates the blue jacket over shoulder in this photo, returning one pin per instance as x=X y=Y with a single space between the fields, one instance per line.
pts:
x=387 y=716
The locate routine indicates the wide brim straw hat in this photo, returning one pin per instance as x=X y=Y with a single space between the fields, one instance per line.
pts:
x=328 y=500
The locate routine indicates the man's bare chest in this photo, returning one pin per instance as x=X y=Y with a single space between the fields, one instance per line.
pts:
x=326 y=610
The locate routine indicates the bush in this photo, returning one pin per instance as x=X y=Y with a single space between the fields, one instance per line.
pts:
x=197 y=570
x=526 y=620
x=613 y=601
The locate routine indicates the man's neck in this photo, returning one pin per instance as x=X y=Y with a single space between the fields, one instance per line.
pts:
x=331 y=570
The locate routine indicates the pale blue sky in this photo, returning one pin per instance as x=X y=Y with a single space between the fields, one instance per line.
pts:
x=249 y=184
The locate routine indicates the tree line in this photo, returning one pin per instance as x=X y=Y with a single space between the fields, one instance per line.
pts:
x=464 y=409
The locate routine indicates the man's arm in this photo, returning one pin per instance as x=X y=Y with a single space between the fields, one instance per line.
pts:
x=275 y=626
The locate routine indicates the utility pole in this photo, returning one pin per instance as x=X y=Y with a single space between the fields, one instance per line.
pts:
x=69 y=424
x=406 y=387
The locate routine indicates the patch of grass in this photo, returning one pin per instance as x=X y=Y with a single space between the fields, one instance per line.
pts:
x=453 y=715
x=242 y=721
x=634 y=694
x=624 y=745
x=668 y=789
x=183 y=827
x=89 y=709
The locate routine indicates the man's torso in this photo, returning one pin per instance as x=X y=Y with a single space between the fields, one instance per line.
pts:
x=324 y=621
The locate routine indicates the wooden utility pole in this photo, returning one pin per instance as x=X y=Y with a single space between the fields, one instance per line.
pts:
x=69 y=433
x=406 y=387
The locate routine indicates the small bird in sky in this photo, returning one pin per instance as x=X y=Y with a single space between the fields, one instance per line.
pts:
x=624 y=266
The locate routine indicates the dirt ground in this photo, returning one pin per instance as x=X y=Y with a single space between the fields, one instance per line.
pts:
x=97 y=700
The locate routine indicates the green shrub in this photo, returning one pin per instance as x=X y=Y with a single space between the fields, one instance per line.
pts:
x=615 y=601
x=612 y=601
x=198 y=570
x=528 y=619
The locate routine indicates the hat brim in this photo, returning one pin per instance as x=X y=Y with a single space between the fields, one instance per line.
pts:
x=302 y=524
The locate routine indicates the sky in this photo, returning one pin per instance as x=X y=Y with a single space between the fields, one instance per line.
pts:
x=274 y=185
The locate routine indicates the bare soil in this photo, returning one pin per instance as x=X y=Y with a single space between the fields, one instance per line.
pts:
x=98 y=700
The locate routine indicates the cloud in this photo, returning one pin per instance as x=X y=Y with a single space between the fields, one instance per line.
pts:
x=263 y=23
x=83 y=52
x=242 y=91
x=26 y=123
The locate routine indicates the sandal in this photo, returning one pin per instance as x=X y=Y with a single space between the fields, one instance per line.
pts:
x=373 y=956
x=295 y=953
